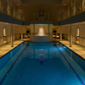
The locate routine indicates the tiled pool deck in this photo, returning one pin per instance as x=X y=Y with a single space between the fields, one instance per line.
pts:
x=76 y=48
x=80 y=50
x=4 y=49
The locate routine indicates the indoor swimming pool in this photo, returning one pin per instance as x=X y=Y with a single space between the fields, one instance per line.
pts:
x=42 y=64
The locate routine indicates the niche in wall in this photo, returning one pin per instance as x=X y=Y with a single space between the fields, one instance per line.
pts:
x=28 y=31
x=54 y=32
x=77 y=35
x=27 y=35
x=5 y=35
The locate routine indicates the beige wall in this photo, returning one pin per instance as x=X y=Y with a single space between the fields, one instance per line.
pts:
x=7 y=26
x=16 y=32
x=66 y=31
x=51 y=28
x=31 y=28
x=28 y=28
x=81 y=27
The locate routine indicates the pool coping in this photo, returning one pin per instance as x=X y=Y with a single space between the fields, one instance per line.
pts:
x=9 y=49
x=74 y=50
x=71 y=48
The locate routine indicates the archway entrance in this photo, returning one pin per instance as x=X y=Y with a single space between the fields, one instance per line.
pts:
x=4 y=35
x=77 y=35
x=41 y=31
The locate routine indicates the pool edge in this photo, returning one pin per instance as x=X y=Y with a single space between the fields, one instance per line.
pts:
x=10 y=49
x=74 y=50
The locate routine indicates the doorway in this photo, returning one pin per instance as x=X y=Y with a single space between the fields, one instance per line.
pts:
x=41 y=31
x=77 y=35
x=4 y=35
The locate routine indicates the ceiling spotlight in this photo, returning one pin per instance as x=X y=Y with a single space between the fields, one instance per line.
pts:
x=64 y=4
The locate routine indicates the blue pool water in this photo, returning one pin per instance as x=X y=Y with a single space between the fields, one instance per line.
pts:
x=42 y=64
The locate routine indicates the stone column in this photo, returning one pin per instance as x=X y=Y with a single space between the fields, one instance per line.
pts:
x=0 y=4
x=48 y=28
x=60 y=33
x=12 y=28
x=34 y=28
x=22 y=33
x=70 y=37
x=11 y=35
x=22 y=26
x=81 y=6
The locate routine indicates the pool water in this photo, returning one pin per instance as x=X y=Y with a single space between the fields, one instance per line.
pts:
x=42 y=64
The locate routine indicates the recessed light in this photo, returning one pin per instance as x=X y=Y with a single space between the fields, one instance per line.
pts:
x=64 y=4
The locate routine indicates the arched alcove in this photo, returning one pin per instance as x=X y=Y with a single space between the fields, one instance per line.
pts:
x=54 y=32
x=28 y=32
x=77 y=35
x=5 y=35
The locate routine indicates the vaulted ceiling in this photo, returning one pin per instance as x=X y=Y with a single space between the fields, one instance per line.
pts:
x=32 y=7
